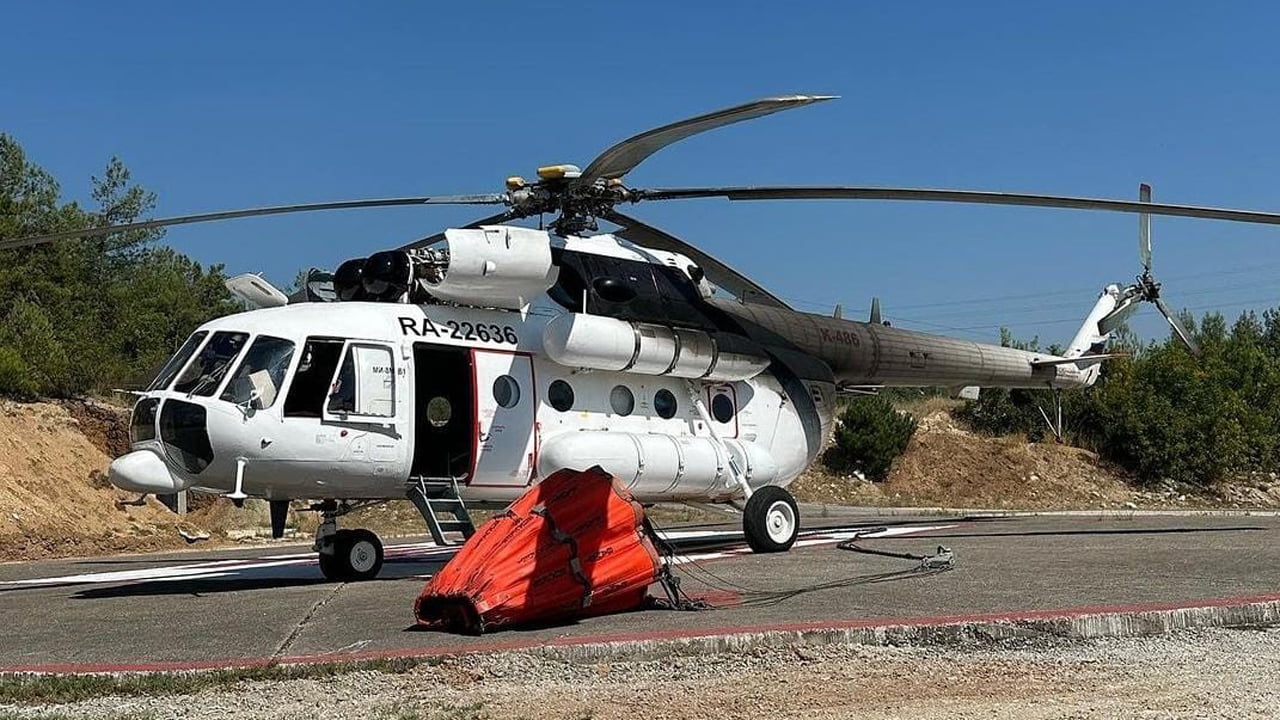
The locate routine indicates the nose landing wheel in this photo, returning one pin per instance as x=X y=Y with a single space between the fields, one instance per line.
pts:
x=357 y=555
x=345 y=555
x=771 y=520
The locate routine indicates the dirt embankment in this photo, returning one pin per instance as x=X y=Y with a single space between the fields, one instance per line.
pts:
x=54 y=496
x=55 y=500
x=946 y=465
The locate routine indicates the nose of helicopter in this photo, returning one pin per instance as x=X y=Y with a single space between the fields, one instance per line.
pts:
x=143 y=471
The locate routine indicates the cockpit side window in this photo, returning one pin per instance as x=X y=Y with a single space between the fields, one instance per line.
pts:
x=179 y=359
x=310 y=384
x=260 y=377
x=205 y=373
x=342 y=394
x=365 y=385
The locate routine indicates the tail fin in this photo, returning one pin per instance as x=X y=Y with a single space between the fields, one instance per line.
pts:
x=1091 y=338
x=1111 y=309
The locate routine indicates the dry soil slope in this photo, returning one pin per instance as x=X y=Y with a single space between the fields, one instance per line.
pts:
x=55 y=500
x=946 y=465
x=54 y=496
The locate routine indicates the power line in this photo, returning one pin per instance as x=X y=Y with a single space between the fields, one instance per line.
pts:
x=1259 y=302
x=1178 y=293
x=1047 y=294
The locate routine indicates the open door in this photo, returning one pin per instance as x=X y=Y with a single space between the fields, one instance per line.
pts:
x=444 y=414
x=505 y=440
x=363 y=388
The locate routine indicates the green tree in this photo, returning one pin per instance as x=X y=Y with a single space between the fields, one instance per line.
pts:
x=87 y=315
x=1164 y=414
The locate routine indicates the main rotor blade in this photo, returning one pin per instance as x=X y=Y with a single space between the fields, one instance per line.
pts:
x=976 y=197
x=433 y=239
x=717 y=272
x=484 y=199
x=1177 y=326
x=1144 y=229
x=626 y=155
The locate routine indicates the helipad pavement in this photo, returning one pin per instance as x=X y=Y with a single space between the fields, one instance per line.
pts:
x=253 y=606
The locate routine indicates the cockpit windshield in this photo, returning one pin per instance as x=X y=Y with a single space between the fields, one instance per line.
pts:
x=261 y=376
x=206 y=371
x=179 y=359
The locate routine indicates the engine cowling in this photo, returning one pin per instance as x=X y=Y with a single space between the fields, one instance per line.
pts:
x=499 y=267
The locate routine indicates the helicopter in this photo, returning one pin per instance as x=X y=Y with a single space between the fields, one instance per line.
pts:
x=461 y=368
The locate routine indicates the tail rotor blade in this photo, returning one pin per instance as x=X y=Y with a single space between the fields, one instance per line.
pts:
x=1144 y=228
x=1177 y=326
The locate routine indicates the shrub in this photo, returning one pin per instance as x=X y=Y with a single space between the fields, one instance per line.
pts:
x=871 y=433
x=15 y=376
x=42 y=365
x=1000 y=411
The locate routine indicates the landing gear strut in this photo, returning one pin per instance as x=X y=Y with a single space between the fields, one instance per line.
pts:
x=771 y=520
x=346 y=555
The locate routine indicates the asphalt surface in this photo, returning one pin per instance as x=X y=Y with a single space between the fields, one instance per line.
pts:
x=206 y=608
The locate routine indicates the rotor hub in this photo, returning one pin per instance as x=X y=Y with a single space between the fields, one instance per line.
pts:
x=1147 y=286
x=576 y=204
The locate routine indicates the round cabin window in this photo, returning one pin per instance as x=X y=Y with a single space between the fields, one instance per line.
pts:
x=439 y=411
x=664 y=403
x=722 y=408
x=506 y=391
x=560 y=395
x=622 y=400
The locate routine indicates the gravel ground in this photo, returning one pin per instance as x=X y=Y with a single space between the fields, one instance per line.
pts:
x=1202 y=674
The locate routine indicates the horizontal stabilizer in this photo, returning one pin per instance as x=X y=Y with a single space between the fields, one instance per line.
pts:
x=1080 y=361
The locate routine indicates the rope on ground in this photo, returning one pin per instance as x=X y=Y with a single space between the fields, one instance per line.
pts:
x=677 y=598
x=941 y=560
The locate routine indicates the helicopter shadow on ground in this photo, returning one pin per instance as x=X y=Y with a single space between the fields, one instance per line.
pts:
x=257 y=578
x=265 y=574
x=218 y=576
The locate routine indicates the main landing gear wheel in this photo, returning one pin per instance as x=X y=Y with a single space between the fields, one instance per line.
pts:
x=771 y=520
x=357 y=555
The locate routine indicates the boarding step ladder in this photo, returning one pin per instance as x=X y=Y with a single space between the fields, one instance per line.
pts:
x=435 y=496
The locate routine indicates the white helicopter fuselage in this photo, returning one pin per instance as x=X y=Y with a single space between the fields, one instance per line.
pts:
x=374 y=396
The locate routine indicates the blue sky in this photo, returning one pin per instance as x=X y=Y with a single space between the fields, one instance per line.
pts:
x=231 y=104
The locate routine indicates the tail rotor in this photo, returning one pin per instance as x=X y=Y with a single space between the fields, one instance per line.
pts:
x=1146 y=288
